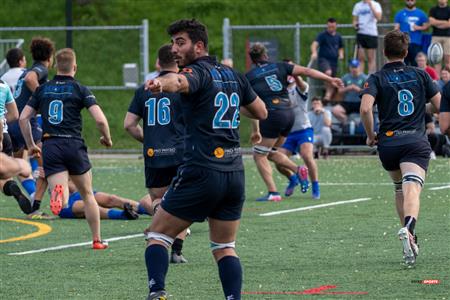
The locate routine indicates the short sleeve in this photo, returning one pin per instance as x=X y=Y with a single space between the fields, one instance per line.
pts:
x=431 y=88
x=377 y=7
x=34 y=101
x=340 y=42
x=40 y=71
x=195 y=76
x=136 y=106
x=8 y=95
x=248 y=94
x=431 y=13
x=327 y=113
x=288 y=67
x=319 y=37
x=397 y=18
x=87 y=97
x=355 y=10
x=423 y=17
x=370 y=87
x=445 y=100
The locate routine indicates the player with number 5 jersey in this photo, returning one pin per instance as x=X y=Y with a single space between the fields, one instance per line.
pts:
x=401 y=93
x=64 y=153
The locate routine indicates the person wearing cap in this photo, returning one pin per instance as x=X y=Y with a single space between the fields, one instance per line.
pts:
x=353 y=83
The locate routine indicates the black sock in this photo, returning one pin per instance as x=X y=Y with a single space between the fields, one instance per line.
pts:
x=177 y=246
x=36 y=204
x=157 y=261
x=410 y=223
x=230 y=273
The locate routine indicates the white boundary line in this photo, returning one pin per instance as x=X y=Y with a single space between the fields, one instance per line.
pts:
x=440 y=188
x=76 y=245
x=313 y=206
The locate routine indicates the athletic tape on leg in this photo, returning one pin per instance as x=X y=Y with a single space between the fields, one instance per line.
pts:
x=217 y=246
x=398 y=187
x=261 y=149
x=165 y=239
x=413 y=178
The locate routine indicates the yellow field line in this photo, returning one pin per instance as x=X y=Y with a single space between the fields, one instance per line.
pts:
x=42 y=230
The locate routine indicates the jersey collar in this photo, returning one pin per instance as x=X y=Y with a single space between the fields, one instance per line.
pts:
x=63 y=77
x=394 y=64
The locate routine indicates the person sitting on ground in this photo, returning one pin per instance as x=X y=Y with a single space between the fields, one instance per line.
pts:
x=320 y=119
x=353 y=83
x=445 y=77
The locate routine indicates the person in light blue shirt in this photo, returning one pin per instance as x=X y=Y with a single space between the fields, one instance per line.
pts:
x=413 y=21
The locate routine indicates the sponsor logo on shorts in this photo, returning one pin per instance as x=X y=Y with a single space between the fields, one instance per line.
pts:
x=389 y=133
x=161 y=152
x=275 y=101
x=219 y=152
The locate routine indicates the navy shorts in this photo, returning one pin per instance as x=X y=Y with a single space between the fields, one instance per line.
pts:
x=17 y=140
x=65 y=154
x=7 y=145
x=417 y=153
x=326 y=64
x=198 y=193
x=351 y=107
x=159 y=177
x=297 y=138
x=278 y=123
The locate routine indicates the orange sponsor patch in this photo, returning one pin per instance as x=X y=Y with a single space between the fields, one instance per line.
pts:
x=275 y=101
x=186 y=70
x=389 y=133
x=219 y=152
x=150 y=152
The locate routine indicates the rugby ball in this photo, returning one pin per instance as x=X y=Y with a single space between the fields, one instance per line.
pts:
x=435 y=53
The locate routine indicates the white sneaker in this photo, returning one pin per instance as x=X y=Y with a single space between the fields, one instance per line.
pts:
x=432 y=155
x=410 y=248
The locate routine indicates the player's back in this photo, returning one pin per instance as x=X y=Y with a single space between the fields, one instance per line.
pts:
x=211 y=113
x=60 y=102
x=22 y=93
x=269 y=81
x=401 y=93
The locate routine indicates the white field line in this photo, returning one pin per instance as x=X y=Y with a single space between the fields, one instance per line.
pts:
x=313 y=207
x=440 y=188
x=125 y=237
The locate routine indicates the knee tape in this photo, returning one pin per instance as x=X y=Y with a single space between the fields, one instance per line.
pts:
x=398 y=187
x=217 y=246
x=165 y=239
x=413 y=178
x=261 y=149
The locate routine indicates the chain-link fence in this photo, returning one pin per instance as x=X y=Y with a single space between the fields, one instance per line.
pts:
x=102 y=51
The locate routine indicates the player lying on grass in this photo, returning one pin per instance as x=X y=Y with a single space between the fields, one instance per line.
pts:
x=107 y=205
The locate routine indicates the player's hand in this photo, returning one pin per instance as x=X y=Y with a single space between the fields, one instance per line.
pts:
x=154 y=85
x=1 y=145
x=35 y=151
x=255 y=138
x=337 y=82
x=107 y=142
x=372 y=141
x=313 y=56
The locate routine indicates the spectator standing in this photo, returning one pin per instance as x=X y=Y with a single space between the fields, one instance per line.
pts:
x=422 y=63
x=321 y=122
x=353 y=83
x=413 y=21
x=328 y=48
x=366 y=14
x=440 y=21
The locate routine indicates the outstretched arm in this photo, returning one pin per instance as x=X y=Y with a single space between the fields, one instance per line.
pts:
x=170 y=83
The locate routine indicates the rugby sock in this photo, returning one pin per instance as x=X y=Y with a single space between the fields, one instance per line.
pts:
x=230 y=273
x=410 y=223
x=141 y=210
x=177 y=246
x=293 y=178
x=116 y=214
x=30 y=186
x=315 y=186
x=34 y=164
x=36 y=204
x=157 y=261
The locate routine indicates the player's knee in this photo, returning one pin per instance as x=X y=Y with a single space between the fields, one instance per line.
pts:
x=261 y=150
x=160 y=238
x=220 y=247
x=398 y=187
x=413 y=178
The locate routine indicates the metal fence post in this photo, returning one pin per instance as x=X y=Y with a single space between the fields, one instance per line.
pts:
x=144 y=50
x=226 y=38
x=297 y=43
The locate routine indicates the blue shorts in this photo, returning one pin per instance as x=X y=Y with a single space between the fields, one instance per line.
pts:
x=17 y=140
x=198 y=193
x=65 y=154
x=66 y=212
x=297 y=138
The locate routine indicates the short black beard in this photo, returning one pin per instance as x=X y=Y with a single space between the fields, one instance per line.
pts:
x=189 y=57
x=410 y=7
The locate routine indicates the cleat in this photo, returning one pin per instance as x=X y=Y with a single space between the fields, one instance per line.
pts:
x=410 y=247
x=159 y=295
x=271 y=196
x=56 y=199
x=177 y=259
x=130 y=214
x=302 y=174
x=293 y=182
x=39 y=215
x=99 y=245
x=22 y=200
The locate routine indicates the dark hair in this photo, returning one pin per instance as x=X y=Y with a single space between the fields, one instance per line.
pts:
x=165 y=57
x=256 y=52
x=331 y=20
x=316 y=98
x=41 y=48
x=13 y=57
x=396 y=44
x=287 y=60
x=196 y=31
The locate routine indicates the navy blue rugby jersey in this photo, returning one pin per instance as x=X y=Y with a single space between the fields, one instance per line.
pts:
x=445 y=100
x=401 y=93
x=163 y=126
x=211 y=113
x=60 y=102
x=22 y=93
x=269 y=80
